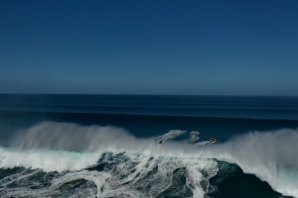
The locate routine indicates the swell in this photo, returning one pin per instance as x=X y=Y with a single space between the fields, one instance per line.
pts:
x=186 y=106
x=101 y=161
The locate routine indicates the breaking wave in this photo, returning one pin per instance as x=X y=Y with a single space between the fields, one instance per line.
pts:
x=68 y=160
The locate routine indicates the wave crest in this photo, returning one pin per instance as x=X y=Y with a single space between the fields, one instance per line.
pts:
x=65 y=148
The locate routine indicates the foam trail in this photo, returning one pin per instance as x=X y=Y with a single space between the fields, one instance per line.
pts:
x=196 y=178
x=97 y=178
x=172 y=134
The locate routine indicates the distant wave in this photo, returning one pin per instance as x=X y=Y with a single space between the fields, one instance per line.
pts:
x=62 y=159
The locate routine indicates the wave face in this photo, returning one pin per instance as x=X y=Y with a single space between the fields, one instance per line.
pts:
x=54 y=159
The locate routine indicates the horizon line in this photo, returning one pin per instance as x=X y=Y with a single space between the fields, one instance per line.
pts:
x=121 y=94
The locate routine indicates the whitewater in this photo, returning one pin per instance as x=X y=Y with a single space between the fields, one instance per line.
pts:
x=55 y=159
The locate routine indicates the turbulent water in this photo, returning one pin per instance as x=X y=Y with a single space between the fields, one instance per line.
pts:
x=53 y=159
x=109 y=146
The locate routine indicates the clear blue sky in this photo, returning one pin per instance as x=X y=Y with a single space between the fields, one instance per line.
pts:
x=149 y=47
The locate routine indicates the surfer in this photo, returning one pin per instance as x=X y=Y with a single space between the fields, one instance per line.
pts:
x=212 y=141
x=204 y=143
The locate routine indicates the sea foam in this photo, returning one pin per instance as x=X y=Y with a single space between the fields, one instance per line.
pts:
x=61 y=147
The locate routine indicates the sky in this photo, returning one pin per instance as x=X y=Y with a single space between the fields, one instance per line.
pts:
x=191 y=47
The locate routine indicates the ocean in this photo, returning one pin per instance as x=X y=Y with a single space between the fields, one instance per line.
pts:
x=127 y=146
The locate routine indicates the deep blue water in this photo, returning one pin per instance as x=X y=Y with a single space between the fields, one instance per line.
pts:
x=284 y=108
x=216 y=116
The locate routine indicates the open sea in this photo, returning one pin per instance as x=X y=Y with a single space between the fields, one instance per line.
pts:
x=141 y=146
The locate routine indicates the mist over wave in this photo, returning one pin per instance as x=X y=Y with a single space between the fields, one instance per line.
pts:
x=272 y=156
x=142 y=167
x=69 y=136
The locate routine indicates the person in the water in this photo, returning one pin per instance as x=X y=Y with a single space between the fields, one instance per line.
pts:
x=212 y=141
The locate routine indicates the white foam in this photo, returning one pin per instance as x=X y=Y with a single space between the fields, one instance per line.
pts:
x=46 y=160
x=97 y=178
x=195 y=176
x=269 y=155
